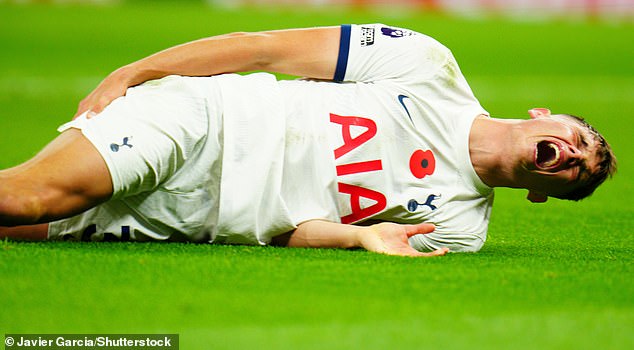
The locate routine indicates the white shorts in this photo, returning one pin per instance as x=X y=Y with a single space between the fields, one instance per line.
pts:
x=162 y=145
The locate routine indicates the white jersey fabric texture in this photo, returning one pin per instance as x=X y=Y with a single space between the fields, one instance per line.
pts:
x=241 y=159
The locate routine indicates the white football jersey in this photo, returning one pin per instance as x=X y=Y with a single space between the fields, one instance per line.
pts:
x=388 y=142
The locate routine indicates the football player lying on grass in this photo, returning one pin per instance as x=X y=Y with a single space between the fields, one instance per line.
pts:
x=383 y=147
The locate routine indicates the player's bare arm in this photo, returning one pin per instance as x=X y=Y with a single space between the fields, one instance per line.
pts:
x=384 y=238
x=310 y=52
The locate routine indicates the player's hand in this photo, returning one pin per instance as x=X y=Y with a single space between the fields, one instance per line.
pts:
x=112 y=87
x=392 y=239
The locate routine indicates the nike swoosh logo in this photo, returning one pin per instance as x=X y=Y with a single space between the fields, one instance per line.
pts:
x=401 y=99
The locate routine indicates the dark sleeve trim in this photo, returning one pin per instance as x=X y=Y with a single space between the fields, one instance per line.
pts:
x=344 y=48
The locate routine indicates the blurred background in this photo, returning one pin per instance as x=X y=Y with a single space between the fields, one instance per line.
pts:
x=613 y=10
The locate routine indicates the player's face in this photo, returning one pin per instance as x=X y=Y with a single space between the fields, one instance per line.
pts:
x=559 y=154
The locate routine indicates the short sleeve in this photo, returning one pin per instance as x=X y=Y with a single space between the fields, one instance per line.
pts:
x=373 y=52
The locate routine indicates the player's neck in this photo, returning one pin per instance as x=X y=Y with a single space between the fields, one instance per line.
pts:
x=491 y=151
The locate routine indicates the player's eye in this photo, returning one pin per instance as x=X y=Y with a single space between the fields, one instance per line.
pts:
x=579 y=139
x=583 y=141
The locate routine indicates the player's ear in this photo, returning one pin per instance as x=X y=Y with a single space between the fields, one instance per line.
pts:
x=539 y=112
x=536 y=197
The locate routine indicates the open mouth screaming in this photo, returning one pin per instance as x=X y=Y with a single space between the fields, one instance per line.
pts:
x=548 y=155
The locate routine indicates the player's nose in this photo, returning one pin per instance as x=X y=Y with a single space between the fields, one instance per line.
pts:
x=574 y=155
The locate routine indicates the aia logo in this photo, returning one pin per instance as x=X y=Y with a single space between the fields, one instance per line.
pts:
x=422 y=163
x=114 y=147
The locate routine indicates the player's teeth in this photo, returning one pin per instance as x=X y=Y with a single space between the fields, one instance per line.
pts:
x=554 y=159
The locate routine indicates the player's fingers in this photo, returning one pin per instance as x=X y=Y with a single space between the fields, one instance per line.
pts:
x=99 y=106
x=439 y=252
x=414 y=253
x=403 y=252
x=85 y=105
x=419 y=229
x=81 y=108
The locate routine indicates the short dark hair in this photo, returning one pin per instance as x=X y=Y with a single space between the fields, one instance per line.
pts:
x=606 y=168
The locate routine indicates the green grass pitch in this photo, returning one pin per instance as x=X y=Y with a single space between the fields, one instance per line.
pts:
x=551 y=276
